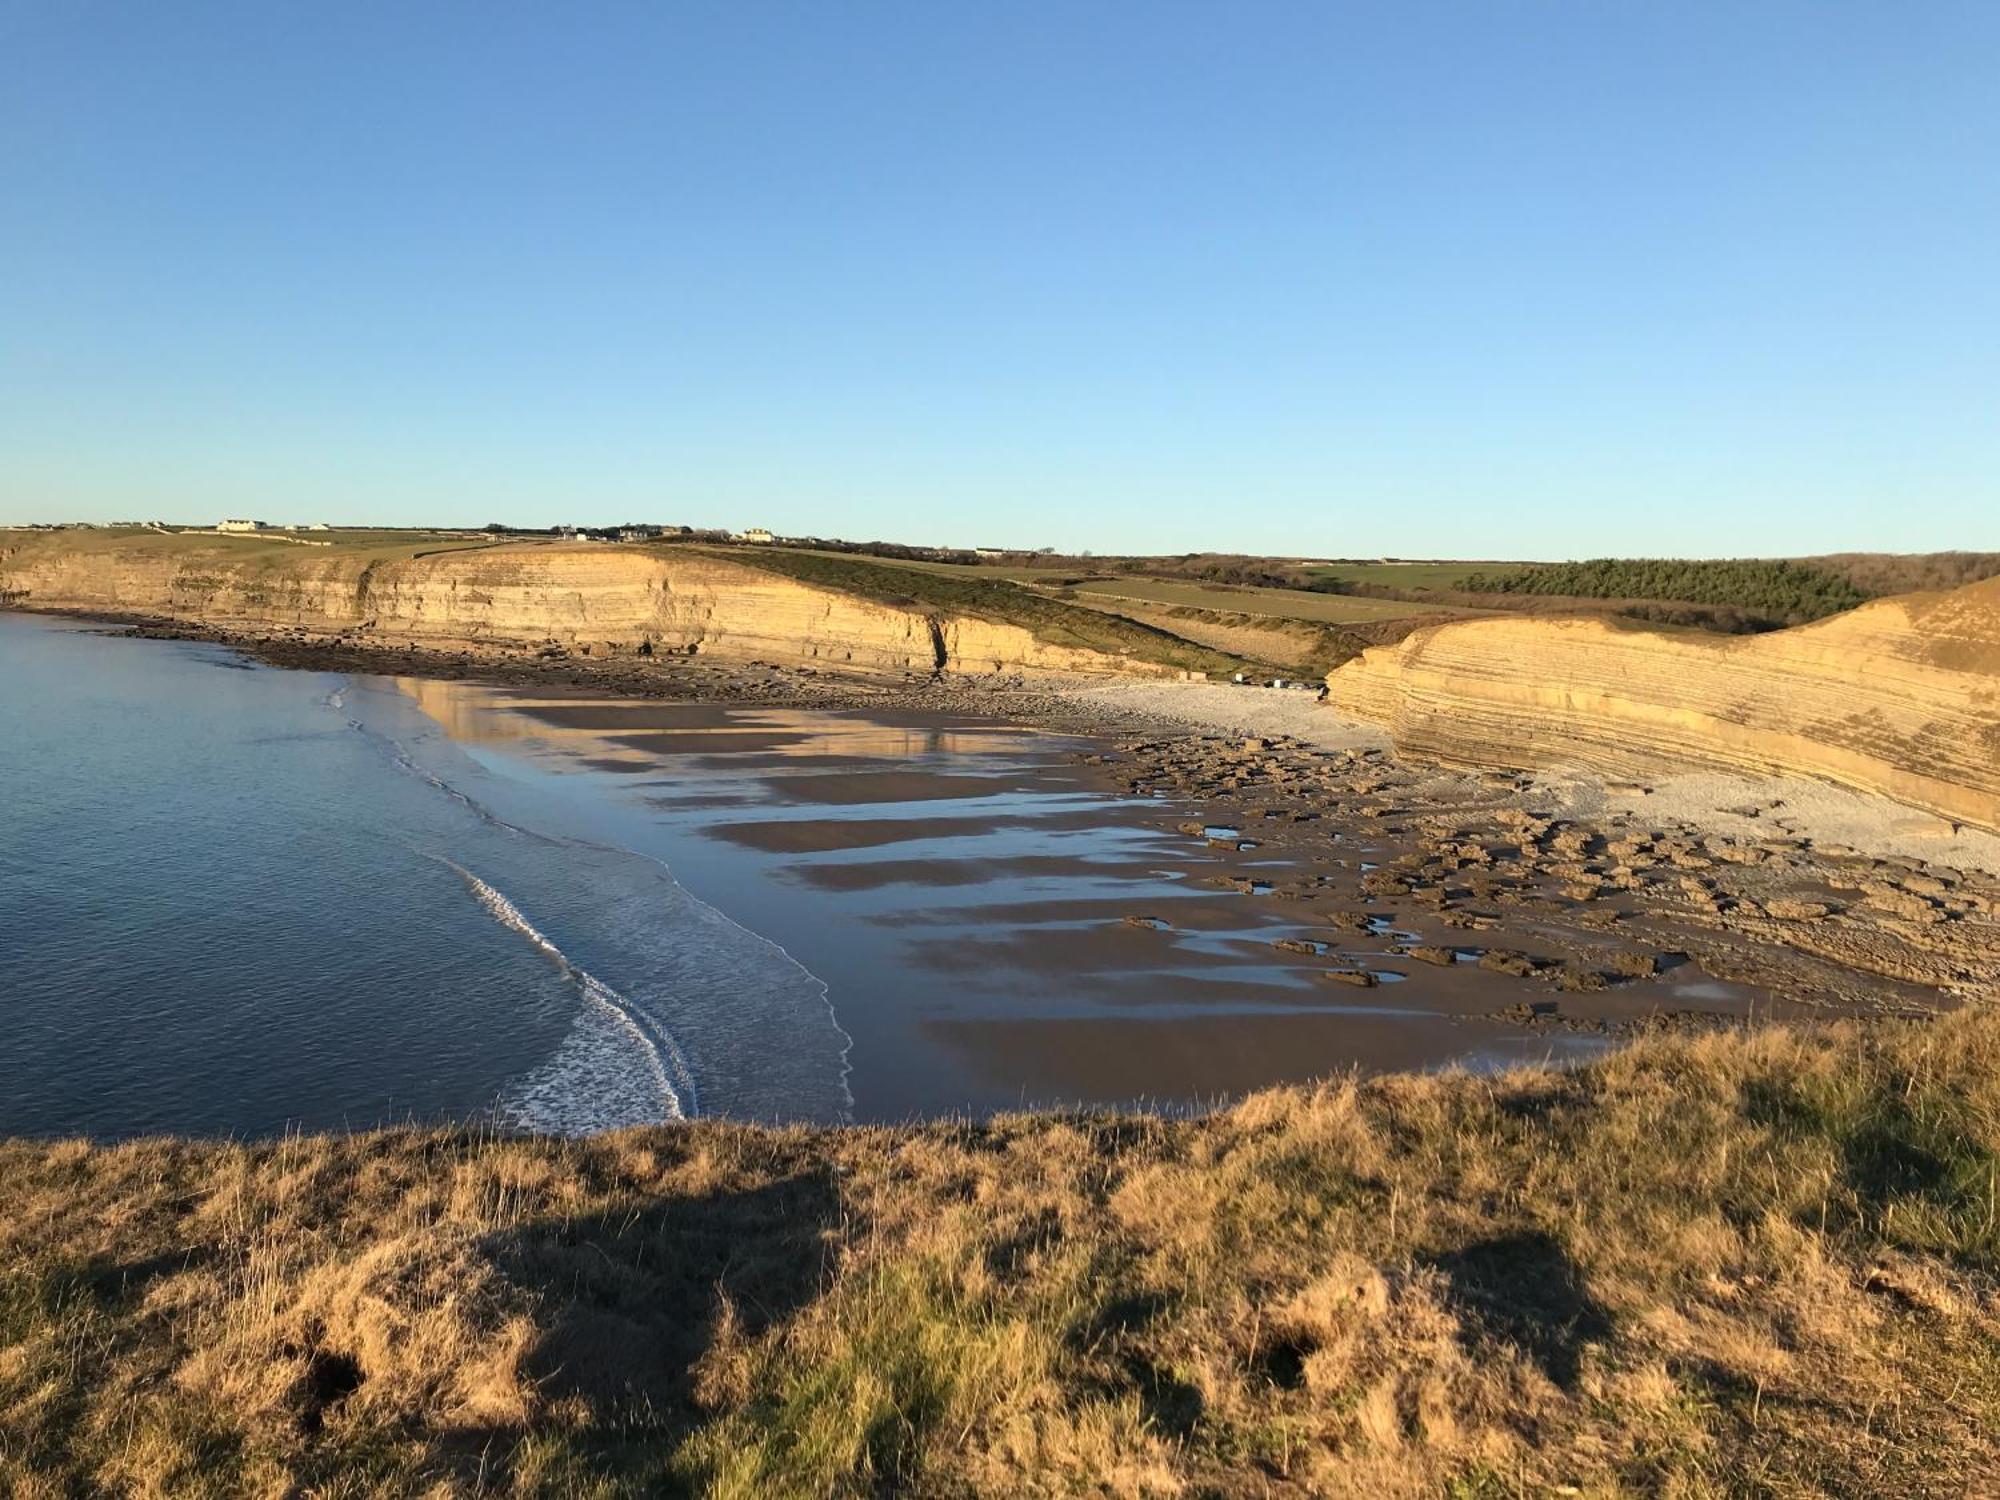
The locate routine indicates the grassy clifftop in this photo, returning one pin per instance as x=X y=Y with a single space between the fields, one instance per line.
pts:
x=1759 y=1264
x=250 y=549
x=986 y=598
x=966 y=593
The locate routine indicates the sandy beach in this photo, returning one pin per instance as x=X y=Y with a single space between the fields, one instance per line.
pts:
x=1040 y=904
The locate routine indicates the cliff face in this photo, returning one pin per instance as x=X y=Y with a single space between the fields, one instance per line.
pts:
x=515 y=595
x=1900 y=697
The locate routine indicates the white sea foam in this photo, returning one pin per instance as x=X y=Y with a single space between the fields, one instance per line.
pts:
x=692 y=981
x=580 y=1090
x=404 y=761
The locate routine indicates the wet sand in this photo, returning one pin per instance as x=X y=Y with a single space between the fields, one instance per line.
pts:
x=1000 y=923
x=1029 y=908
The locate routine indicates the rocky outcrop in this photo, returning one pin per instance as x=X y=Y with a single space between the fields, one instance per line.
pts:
x=1900 y=697
x=514 y=596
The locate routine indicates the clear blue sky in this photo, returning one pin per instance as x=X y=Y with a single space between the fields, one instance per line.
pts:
x=1467 y=279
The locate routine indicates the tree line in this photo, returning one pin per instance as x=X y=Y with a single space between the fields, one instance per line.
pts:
x=1777 y=588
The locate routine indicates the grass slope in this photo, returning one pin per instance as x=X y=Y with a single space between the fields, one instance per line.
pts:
x=1759 y=1264
x=1283 y=604
x=986 y=598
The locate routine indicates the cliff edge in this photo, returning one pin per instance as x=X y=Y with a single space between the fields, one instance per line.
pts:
x=514 y=596
x=1900 y=697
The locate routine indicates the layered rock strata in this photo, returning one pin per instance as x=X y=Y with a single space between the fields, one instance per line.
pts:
x=1900 y=697
x=578 y=596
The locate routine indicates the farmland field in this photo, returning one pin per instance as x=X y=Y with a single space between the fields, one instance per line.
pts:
x=1410 y=575
x=1284 y=604
x=1014 y=573
x=252 y=545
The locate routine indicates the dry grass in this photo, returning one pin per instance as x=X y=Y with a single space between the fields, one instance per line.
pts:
x=963 y=592
x=1751 y=1265
x=1283 y=604
x=1410 y=577
x=1294 y=647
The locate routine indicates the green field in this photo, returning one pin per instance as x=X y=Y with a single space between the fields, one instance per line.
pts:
x=1012 y=573
x=255 y=546
x=1280 y=604
x=1410 y=575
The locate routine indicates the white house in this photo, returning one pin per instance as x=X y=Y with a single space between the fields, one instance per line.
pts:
x=755 y=534
x=236 y=525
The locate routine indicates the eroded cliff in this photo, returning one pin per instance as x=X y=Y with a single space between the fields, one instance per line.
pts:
x=511 y=596
x=1900 y=697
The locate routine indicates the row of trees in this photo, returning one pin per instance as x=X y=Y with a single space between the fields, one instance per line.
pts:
x=1909 y=572
x=1775 y=588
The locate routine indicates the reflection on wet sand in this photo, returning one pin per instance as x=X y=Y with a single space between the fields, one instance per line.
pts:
x=477 y=713
x=995 y=923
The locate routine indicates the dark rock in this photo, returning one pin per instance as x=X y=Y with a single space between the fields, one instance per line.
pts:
x=1359 y=978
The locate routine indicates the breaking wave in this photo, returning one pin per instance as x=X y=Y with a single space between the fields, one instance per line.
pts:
x=583 y=1088
x=673 y=990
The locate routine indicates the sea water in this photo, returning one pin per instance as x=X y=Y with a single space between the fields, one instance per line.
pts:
x=238 y=900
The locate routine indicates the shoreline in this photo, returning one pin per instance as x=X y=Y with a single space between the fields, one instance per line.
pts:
x=1099 y=707
x=1596 y=899
x=1093 y=706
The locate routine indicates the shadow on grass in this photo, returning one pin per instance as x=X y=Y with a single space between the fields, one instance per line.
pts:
x=633 y=1298
x=1897 y=1149
x=1523 y=1289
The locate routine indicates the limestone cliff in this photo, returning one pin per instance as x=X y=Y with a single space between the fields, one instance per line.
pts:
x=513 y=596
x=1900 y=697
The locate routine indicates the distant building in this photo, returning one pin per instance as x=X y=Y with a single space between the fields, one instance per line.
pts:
x=990 y=554
x=755 y=534
x=566 y=533
x=319 y=526
x=236 y=525
x=637 y=533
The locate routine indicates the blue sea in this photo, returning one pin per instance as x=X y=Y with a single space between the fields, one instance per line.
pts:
x=240 y=900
